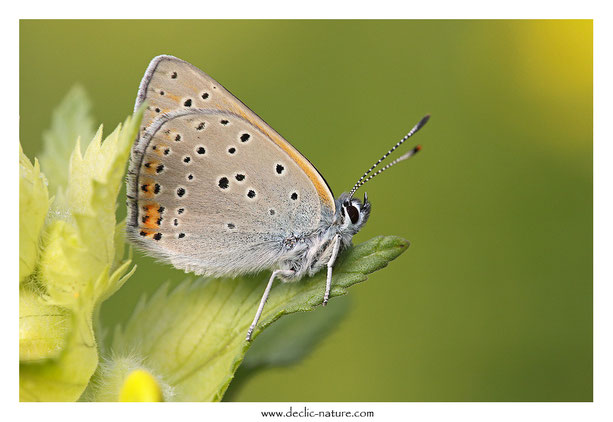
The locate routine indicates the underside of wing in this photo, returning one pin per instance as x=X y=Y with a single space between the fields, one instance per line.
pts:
x=210 y=193
x=171 y=84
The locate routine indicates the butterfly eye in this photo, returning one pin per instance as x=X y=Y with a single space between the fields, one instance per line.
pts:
x=353 y=214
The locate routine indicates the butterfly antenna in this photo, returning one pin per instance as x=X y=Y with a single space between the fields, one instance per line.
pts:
x=409 y=154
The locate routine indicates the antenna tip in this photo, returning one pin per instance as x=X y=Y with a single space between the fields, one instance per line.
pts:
x=422 y=122
x=418 y=148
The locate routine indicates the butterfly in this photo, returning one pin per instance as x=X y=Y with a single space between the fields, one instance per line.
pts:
x=214 y=190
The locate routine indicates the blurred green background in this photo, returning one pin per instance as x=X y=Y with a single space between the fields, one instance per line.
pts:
x=493 y=300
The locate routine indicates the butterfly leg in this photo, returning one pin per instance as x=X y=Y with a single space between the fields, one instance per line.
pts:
x=265 y=298
x=336 y=247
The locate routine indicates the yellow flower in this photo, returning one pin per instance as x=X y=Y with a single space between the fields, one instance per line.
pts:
x=140 y=385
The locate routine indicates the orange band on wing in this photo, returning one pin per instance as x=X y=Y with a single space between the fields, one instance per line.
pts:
x=148 y=188
x=152 y=166
x=152 y=217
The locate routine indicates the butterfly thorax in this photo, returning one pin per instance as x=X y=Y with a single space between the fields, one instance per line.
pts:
x=307 y=255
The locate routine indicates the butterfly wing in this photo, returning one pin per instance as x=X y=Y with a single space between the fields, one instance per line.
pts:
x=210 y=193
x=171 y=84
x=212 y=188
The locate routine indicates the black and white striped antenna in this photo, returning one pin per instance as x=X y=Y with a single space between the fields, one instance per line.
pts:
x=409 y=154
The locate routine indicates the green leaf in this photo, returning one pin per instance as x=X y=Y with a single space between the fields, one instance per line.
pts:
x=43 y=328
x=81 y=250
x=119 y=243
x=289 y=340
x=71 y=120
x=292 y=338
x=33 y=205
x=194 y=335
x=80 y=265
x=63 y=378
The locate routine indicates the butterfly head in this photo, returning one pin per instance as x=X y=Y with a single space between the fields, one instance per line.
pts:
x=353 y=213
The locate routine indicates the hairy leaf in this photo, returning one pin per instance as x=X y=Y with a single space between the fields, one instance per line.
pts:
x=79 y=267
x=33 y=205
x=43 y=328
x=71 y=120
